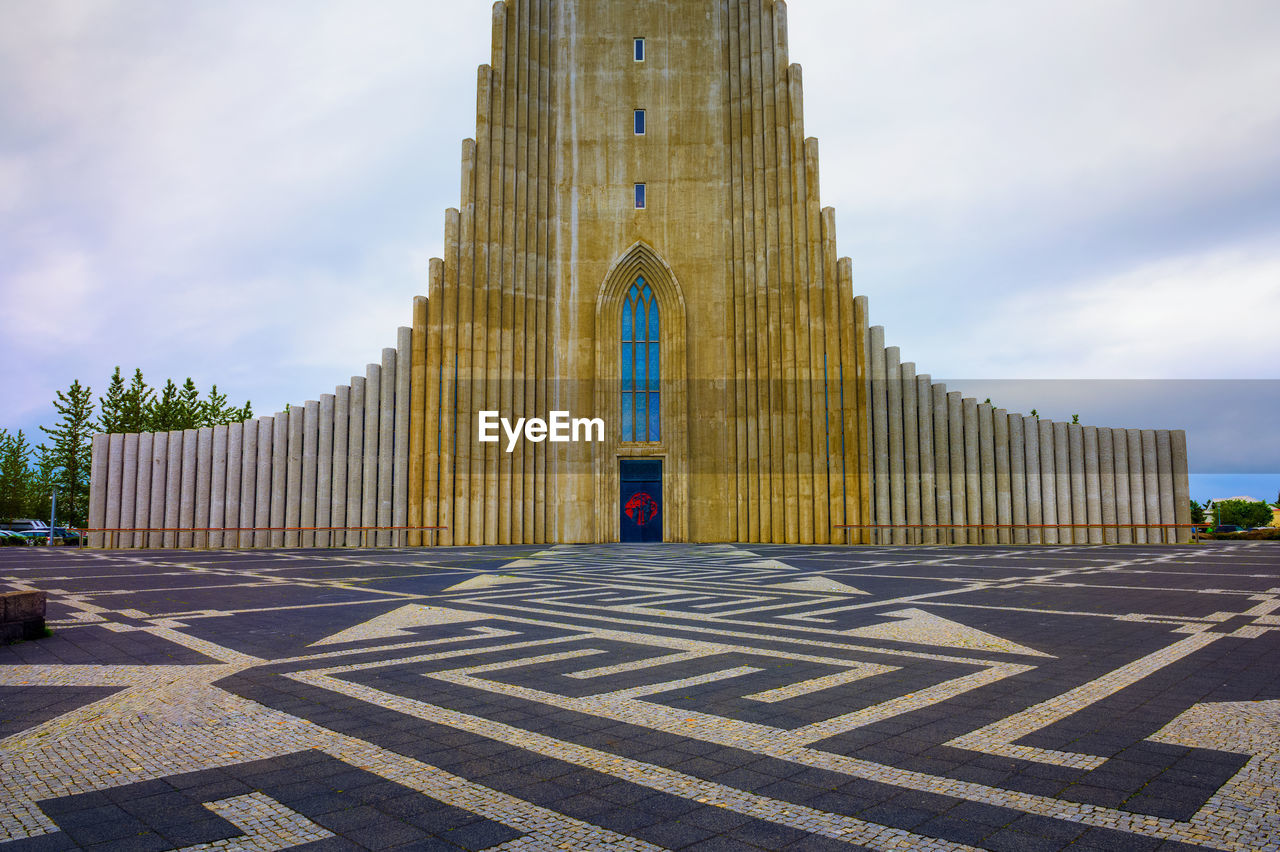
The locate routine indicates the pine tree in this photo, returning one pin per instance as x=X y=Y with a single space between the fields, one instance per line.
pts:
x=163 y=413
x=214 y=410
x=190 y=409
x=111 y=415
x=137 y=404
x=44 y=481
x=15 y=474
x=72 y=445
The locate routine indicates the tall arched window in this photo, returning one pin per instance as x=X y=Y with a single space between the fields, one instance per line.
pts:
x=640 y=367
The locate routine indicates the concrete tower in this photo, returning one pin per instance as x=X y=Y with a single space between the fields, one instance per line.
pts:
x=639 y=240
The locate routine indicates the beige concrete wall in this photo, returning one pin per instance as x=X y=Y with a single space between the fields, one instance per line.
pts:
x=785 y=417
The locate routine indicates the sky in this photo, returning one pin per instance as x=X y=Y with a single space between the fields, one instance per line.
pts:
x=1072 y=206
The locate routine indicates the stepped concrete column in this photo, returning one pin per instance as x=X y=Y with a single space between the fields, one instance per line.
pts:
x=262 y=496
x=1035 y=491
x=204 y=484
x=1181 y=484
x=1092 y=484
x=128 y=486
x=1164 y=479
x=115 y=472
x=942 y=462
x=1062 y=480
x=142 y=503
x=355 y=459
x=369 y=483
x=972 y=475
x=190 y=482
x=893 y=397
x=1048 y=481
x=324 y=470
x=1124 y=499
x=879 y=402
x=295 y=432
x=341 y=460
x=1076 y=483
x=159 y=480
x=911 y=452
x=1137 y=486
x=248 y=483
x=1003 y=476
x=218 y=485
x=1151 y=484
x=987 y=470
x=173 y=488
x=279 y=477
x=307 y=500
x=386 y=444
x=400 y=470
x=928 y=475
x=98 y=464
x=1017 y=480
x=235 y=464
x=1107 y=484
x=959 y=491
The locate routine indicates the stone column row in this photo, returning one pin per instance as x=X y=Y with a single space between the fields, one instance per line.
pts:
x=1003 y=478
x=339 y=461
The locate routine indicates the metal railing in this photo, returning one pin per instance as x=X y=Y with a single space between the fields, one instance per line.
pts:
x=1132 y=528
x=235 y=534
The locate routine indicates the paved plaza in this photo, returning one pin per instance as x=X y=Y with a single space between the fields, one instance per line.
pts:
x=704 y=697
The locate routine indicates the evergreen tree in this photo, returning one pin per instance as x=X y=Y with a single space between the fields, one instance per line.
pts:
x=137 y=403
x=163 y=414
x=72 y=445
x=15 y=474
x=44 y=481
x=1197 y=512
x=191 y=410
x=111 y=410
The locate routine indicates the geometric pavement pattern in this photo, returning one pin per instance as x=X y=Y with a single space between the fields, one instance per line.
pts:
x=708 y=697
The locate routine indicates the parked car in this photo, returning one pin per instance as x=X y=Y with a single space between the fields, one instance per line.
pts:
x=9 y=538
x=63 y=534
x=23 y=524
x=1228 y=528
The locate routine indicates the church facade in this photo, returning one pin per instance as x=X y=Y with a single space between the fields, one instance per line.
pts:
x=639 y=241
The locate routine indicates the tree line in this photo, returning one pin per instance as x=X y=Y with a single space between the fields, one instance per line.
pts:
x=29 y=475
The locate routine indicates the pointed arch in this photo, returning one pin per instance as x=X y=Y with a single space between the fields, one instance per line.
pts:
x=642 y=261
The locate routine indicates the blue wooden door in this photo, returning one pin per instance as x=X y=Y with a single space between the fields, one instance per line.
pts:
x=641 y=499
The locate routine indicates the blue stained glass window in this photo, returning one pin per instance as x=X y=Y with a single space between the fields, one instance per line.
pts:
x=640 y=363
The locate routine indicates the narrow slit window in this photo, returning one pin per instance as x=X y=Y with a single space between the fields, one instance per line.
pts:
x=639 y=122
x=639 y=47
x=640 y=196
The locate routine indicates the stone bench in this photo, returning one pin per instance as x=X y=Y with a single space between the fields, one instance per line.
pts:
x=21 y=616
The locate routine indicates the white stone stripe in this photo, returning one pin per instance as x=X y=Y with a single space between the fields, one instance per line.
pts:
x=503 y=665
x=680 y=683
x=659 y=778
x=547 y=828
x=857 y=671
x=999 y=737
x=638 y=665
x=267 y=825
x=774 y=742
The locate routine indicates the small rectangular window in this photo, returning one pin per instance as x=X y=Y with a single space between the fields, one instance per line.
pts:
x=639 y=196
x=639 y=50
x=639 y=122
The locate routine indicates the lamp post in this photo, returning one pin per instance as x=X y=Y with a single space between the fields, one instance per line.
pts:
x=53 y=514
